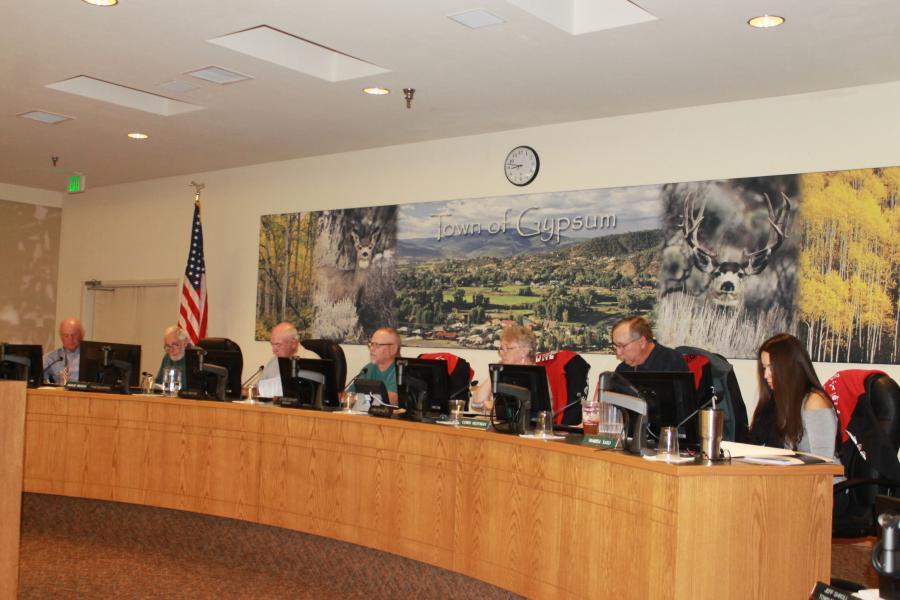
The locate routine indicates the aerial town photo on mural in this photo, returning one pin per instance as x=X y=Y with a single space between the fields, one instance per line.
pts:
x=720 y=265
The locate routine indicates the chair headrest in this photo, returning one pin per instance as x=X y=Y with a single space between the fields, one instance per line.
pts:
x=884 y=397
x=219 y=343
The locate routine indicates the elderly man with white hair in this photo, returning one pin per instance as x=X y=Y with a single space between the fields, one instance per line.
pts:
x=175 y=342
x=285 y=342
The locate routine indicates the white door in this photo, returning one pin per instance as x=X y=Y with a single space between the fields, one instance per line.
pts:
x=132 y=312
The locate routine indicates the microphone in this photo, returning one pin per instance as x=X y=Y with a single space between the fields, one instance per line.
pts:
x=459 y=391
x=579 y=398
x=352 y=381
x=712 y=401
x=53 y=362
x=252 y=378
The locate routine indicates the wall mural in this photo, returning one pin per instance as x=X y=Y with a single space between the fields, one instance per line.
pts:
x=29 y=244
x=716 y=264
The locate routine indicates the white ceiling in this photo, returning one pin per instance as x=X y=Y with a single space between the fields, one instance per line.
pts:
x=522 y=73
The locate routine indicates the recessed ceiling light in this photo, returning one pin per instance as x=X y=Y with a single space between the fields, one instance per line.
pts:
x=138 y=136
x=764 y=21
x=44 y=117
x=102 y=2
x=376 y=91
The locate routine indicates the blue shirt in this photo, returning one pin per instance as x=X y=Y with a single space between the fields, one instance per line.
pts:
x=57 y=360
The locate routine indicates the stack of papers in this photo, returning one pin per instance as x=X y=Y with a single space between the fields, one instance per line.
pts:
x=765 y=455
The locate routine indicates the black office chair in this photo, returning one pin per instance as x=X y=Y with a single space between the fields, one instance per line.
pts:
x=218 y=343
x=459 y=371
x=873 y=429
x=715 y=374
x=329 y=349
x=567 y=373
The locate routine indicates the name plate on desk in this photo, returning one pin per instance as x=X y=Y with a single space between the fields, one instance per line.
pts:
x=87 y=386
x=600 y=441
x=384 y=411
x=826 y=592
x=475 y=422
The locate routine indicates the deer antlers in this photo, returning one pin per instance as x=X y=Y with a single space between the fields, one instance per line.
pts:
x=757 y=261
x=704 y=258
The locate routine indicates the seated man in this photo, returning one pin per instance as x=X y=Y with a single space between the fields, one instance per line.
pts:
x=384 y=347
x=285 y=341
x=175 y=342
x=61 y=365
x=633 y=341
x=517 y=347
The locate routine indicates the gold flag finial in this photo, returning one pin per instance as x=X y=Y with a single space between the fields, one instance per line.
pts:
x=197 y=188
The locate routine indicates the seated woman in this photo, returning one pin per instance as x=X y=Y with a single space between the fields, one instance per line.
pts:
x=517 y=347
x=793 y=410
x=175 y=342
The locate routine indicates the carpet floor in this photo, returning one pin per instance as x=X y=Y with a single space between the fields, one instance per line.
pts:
x=77 y=548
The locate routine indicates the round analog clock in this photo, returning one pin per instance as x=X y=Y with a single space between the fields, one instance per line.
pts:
x=521 y=165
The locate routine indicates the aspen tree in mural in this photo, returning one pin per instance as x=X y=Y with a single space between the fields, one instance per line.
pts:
x=284 y=283
x=849 y=265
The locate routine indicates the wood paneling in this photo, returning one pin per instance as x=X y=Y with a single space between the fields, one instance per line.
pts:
x=546 y=520
x=12 y=440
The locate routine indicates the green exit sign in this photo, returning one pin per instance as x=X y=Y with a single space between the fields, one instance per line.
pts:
x=77 y=183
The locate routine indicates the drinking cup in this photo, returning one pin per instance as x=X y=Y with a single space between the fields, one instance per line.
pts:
x=348 y=401
x=171 y=382
x=456 y=408
x=668 y=443
x=544 y=427
x=590 y=417
x=147 y=383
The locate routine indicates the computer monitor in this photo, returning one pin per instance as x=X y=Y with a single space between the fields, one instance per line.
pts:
x=520 y=393
x=110 y=363
x=375 y=391
x=21 y=361
x=671 y=398
x=423 y=387
x=308 y=383
x=212 y=374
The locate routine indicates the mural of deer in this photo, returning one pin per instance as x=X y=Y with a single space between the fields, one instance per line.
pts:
x=722 y=241
x=725 y=283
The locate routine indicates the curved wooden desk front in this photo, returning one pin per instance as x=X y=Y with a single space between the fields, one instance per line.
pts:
x=546 y=520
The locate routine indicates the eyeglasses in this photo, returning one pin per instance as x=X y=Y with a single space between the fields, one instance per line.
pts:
x=379 y=344
x=625 y=345
x=508 y=348
x=174 y=346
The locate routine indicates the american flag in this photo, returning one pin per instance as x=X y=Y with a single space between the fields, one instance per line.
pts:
x=193 y=291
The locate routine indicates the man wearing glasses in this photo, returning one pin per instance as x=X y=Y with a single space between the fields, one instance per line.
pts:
x=633 y=341
x=175 y=342
x=384 y=347
x=285 y=342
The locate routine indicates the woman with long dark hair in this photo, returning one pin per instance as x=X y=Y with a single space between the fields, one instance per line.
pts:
x=793 y=410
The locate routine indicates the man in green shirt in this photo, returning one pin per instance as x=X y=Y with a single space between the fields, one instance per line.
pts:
x=384 y=347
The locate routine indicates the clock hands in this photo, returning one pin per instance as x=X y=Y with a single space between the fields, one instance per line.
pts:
x=513 y=166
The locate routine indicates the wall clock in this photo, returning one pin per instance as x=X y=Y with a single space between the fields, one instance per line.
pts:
x=521 y=165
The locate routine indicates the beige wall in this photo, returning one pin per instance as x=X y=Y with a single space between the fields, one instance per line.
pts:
x=139 y=231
